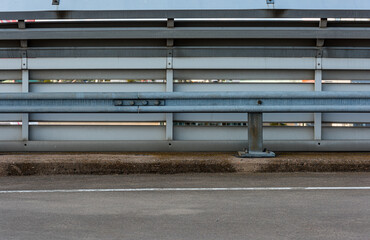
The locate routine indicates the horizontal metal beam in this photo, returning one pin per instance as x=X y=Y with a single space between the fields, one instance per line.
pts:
x=186 y=102
x=178 y=146
x=327 y=52
x=131 y=14
x=183 y=95
x=186 y=33
x=279 y=63
x=95 y=9
x=190 y=5
x=348 y=107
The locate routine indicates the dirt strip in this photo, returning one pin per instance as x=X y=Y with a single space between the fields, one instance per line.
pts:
x=19 y=164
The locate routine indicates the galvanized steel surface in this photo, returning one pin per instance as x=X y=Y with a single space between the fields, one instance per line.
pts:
x=311 y=77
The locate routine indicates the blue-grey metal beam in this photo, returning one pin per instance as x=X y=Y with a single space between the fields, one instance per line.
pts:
x=187 y=33
x=94 y=9
x=186 y=102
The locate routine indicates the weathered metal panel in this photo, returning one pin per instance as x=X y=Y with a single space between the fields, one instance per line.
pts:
x=240 y=74
x=23 y=9
x=186 y=33
x=346 y=75
x=346 y=63
x=13 y=75
x=10 y=88
x=244 y=63
x=346 y=117
x=10 y=133
x=97 y=87
x=337 y=87
x=50 y=133
x=240 y=133
x=96 y=63
x=205 y=87
x=243 y=117
x=10 y=64
x=346 y=133
x=6 y=117
x=96 y=117
x=76 y=74
x=180 y=146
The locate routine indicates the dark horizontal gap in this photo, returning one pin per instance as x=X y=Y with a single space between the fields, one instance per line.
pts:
x=97 y=43
x=347 y=43
x=190 y=43
x=177 y=42
x=244 y=42
x=9 y=43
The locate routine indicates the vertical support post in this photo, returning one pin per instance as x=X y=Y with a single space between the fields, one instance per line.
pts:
x=255 y=138
x=25 y=116
x=255 y=134
x=169 y=80
x=318 y=80
x=25 y=81
x=318 y=116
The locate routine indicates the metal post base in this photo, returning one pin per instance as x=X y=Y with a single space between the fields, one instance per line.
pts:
x=246 y=154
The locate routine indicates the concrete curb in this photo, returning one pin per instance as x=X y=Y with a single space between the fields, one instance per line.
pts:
x=19 y=164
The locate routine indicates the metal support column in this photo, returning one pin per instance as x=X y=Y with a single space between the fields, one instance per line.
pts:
x=318 y=80
x=169 y=80
x=318 y=116
x=255 y=138
x=25 y=81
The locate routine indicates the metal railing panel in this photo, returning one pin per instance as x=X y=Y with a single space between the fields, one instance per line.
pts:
x=70 y=9
x=6 y=75
x=70 y=5
x=242 y=74
x=10 y=64
x=337 y=87
x=199 y=87
x=78 y=74
x=346 y=63
x=6 y=117
x=97 y=63
x=180 y=146
x=346 y=118
x=96 y=117
x=10 y=88
x=346 y=75
x=243 y=117
x=97 y=87
x=243 y=63
x=240 y=133
x=50 y=133
x=10 y=133
x=355 y=133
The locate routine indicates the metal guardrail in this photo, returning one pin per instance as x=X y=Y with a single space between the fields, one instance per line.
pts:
x=185 y=102
x=308 y=74
x=210 y=102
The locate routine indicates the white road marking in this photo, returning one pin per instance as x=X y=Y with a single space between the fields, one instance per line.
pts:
x=185 y=189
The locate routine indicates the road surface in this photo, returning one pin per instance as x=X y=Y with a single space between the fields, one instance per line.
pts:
x=186 y=206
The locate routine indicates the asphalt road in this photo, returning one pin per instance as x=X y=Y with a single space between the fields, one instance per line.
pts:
x=201 y=206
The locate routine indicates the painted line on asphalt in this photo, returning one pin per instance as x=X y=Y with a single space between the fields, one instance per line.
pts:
x=185 y=189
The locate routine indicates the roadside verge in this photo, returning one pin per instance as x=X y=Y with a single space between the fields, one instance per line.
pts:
x=19 y=164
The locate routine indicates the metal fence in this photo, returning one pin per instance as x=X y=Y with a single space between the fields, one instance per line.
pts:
x=326 y=57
